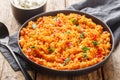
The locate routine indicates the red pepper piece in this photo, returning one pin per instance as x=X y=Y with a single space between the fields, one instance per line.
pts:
x=93 y=37
x=58 y=22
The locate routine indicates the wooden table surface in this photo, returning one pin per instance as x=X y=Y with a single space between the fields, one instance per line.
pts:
x=110 y=71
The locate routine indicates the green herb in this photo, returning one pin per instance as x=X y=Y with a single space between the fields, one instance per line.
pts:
x=82 y=35
x=84 y=49
x=34 y=47
x=74 y=21
x=85 y=56
x=68 y=32
x=51 y=49
x=34 y=26
x=66 y=61
x=95 y=43
x=55 y=18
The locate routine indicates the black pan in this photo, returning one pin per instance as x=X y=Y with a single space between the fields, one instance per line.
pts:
x=67 y=72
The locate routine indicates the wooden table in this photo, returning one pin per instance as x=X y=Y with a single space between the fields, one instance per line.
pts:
x=110 y=71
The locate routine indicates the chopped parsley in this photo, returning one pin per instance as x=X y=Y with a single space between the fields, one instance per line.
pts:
x=74 y=21
x=85 y=56
x=34 y=47
x=95 y=43
x=34 y=26
x=68 y=32
x=66 y=61
x=82 y=35
x=51 y=49
x=84 y=49
x=55 y=18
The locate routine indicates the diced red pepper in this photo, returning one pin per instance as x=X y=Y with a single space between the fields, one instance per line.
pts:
x=31 y=57
x=58 y=22
x=68 y=44
x=81 y=30
x=93 y=37
x=99 y=53
x=29 y=50
x=42 y=22
x=62 y=58
x=72 y=57
x=59 y=60
x=40 y=62
x=100 y=57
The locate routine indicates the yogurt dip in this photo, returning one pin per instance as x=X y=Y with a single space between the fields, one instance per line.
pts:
x=28 y=4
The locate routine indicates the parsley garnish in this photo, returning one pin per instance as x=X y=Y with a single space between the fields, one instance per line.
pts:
x=68 y=32
x=82 y=35
x=34 y=26
x=85 y=56
x=84 y=49
x=55 y=18
x=74 y=21
x=95 y=43
x=51 y=49
x=34 y=47
x=66 y=61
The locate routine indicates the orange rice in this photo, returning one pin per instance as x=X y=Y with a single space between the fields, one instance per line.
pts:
x=65 y=42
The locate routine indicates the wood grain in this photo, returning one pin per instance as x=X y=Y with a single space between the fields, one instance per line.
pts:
x=6 y=72
x=6 y=16
x=1 y=64
x=55 y=5
x=112 y=67
x=9 y=74
x=95 y=75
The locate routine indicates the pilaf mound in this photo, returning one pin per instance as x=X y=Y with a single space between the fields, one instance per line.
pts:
x=65 y=42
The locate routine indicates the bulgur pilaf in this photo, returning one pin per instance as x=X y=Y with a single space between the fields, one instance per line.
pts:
x=65 y=42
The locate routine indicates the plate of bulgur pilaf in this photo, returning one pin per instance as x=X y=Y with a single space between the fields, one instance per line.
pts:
x=65 y=42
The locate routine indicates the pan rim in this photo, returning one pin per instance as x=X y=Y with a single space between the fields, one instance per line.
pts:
x=70 y=11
